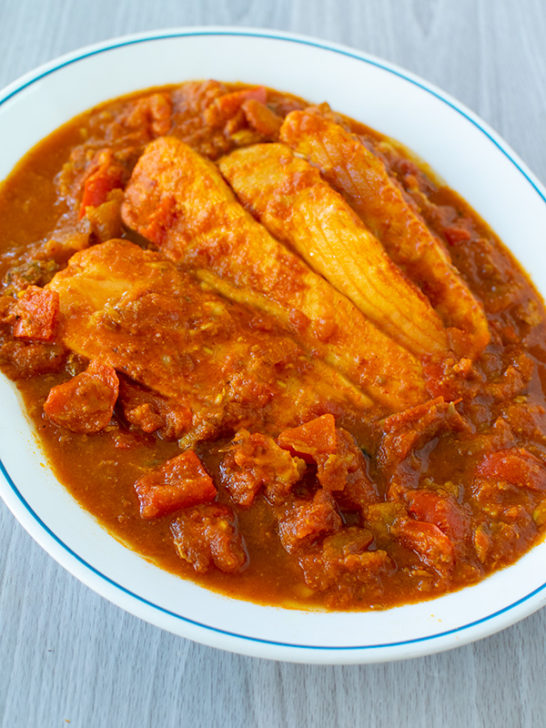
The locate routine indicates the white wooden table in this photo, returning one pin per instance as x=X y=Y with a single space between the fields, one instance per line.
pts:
x=67 y=657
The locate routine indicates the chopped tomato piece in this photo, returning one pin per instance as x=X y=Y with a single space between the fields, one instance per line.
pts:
x=261 y=118
x=304 y=521
x=30 y=358
x=194 y=97
x=255 y=461
x=145 y=416
x=456 y=234
x=411 y=429
x=103 y=179
x=36 y=314
x=179 y=483
x=516 y=466
x=442 y=510
x=86 y=402
x=343 y=560
x=225 y=107
x=344 y=473
x=341 y=467
x=514 y=380
x=346 y=553
x=235 y=124
x=314 y=438
x=432 y=546
x=150 y=114
x=333 y=469
x=207 y=535
x=153 y=413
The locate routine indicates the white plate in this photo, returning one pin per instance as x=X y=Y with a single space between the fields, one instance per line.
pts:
x=459 y=146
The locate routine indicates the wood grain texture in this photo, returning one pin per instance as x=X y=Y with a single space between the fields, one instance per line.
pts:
x=68 y=655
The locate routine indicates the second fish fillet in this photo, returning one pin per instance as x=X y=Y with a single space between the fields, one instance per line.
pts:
x=292 y=200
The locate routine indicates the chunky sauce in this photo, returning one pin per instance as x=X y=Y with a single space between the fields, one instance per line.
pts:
x=477 y=481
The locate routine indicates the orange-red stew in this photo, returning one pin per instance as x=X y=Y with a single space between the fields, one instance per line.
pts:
x=270 y=352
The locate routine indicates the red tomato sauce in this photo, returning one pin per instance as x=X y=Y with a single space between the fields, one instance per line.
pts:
x=275 y=476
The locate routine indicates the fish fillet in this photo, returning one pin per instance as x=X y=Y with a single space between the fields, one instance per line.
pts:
x=179 y=201
x=362 y=178
x=292 y=200
x=136 y=311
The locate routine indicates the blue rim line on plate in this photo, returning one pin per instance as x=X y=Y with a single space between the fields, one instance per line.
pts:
x=358 y=57
x=287 y=38
x=236 y=634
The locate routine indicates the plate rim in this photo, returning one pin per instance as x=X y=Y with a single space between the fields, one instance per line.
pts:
x=88 y=574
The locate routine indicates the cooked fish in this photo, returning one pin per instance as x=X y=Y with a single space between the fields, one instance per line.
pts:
x=179 y=201
x=292 y=200
x=352 y=169
x=135 y=311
